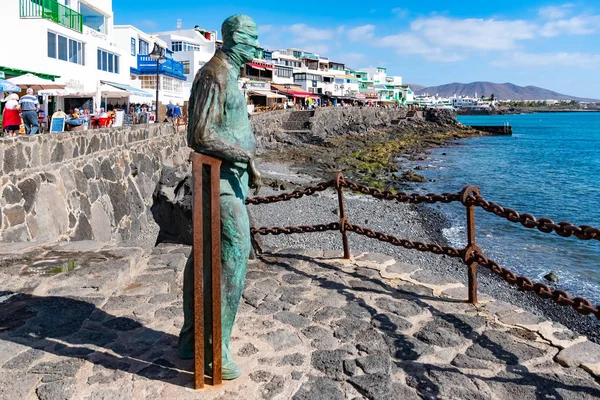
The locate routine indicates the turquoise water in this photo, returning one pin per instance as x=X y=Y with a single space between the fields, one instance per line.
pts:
x=550 y=167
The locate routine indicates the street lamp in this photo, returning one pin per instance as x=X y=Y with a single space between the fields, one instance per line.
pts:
x=158 y=54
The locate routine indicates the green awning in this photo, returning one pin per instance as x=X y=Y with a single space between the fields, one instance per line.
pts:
x=19 y=72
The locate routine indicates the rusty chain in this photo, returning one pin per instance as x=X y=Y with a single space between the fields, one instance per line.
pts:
x=296 y=194
x=402 y=197
x=579 y=304
x=407 y=244
x=468 y=197
x=546 y=225
x=288 y=230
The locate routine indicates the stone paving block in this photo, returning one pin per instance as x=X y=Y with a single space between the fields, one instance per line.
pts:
x=24 y=359
x=501 y=347
x=281 y=339
x=401 y=268
x=400 y=307
x=63 y=389
x=330 y=363
x=292 y=319
x=318 y=388
x=586 y=354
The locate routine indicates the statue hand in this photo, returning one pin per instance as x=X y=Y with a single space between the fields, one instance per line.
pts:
x=255 y=179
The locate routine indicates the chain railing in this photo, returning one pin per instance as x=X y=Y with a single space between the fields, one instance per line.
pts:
x=472 y=256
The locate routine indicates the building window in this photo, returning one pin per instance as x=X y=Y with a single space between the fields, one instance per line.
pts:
x=65 y=49
x=190 y=47
x=108 y=62
x=184 y=46
x=283 y=72
x=144 y=48
x=186 y=67
x=176 y=46
x=133 y=46
x=51 y=45
x=148 y=81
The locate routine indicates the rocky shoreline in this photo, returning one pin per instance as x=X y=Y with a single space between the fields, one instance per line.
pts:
x=293 y=167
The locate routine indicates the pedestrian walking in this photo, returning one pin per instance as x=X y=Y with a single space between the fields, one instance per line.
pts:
x=11 y=121
x=176 y=115
x=29 y=105
x=170 y=111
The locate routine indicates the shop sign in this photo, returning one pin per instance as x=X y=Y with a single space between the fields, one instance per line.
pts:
x=74 y=85
x=90 y=32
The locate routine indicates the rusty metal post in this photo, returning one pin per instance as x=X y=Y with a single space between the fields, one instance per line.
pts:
x=471 y=244
x=340 y=192
x=199 y=163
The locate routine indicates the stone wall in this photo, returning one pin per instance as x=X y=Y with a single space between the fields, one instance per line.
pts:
x=90 y=185
x=297 y=127
x=331 y=121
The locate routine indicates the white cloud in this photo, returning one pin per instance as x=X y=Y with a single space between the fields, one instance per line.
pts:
x=317 y=48
x=579 y=25
x=576 y=60
x=351 y=59
x=474 y=34
x=305 y=34
x=407 y=43
x=263 y=29
x=556 y=12
x=361 y=33
x=400 y=12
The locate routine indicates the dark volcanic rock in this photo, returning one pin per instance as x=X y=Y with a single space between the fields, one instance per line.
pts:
x=317 y=388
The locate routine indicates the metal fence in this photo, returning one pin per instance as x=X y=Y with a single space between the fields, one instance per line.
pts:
x=53 y=11
x=471 y=255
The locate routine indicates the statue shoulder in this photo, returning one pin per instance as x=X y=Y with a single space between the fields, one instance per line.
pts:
x=213 y=72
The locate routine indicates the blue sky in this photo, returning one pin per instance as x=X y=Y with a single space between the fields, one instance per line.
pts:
x=555 y=45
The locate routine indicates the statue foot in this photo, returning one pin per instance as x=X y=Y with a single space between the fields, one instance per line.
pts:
x=231 y=370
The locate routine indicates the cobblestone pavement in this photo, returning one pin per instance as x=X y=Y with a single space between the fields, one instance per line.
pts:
x=86 y=321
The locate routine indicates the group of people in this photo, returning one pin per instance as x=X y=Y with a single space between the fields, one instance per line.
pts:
x=26 y=109
x=173 y=113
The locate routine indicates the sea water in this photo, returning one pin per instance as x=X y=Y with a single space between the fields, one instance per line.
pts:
x=549 y=167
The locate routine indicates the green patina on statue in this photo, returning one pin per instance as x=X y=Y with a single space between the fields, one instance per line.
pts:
x=219 y=127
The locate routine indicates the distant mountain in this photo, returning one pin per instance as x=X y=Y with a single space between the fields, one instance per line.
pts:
x=501 y=91
x=415 y=87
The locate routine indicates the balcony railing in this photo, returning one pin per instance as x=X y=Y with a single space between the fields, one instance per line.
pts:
x=52 y=11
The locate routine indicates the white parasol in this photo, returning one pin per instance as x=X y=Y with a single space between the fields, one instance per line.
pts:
x=35 y=82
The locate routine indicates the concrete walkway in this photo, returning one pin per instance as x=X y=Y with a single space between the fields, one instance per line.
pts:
x=85 y=321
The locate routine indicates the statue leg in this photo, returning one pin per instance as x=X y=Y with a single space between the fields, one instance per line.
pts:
x=235 y=249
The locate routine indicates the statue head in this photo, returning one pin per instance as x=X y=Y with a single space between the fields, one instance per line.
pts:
x=240 y=38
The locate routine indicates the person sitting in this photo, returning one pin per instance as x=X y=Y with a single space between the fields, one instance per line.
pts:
x=75 y=120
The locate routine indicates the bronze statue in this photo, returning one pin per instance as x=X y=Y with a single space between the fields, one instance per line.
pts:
x=219 y=127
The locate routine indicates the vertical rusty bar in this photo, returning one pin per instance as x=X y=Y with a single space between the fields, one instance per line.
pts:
x=471 y=265
x=198 y=248
x=342 y=209
x=215 y=217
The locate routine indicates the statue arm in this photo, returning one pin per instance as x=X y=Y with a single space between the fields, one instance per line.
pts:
x=205 y=132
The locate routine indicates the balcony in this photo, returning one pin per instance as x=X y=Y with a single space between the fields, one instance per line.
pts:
x=147 y=66
x=52 y=11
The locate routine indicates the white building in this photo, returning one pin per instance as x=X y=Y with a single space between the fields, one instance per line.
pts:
x=72 y=42
x=136 y=46
x=193 y=48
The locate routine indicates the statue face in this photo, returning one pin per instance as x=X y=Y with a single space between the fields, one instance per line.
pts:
x=242 y=41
